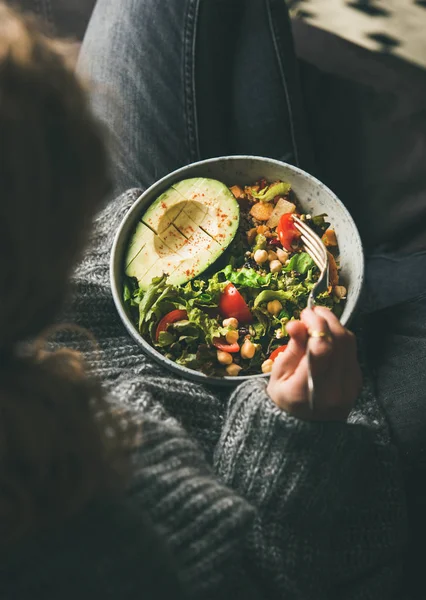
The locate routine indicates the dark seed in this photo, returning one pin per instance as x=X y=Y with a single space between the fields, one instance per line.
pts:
x=250 y=264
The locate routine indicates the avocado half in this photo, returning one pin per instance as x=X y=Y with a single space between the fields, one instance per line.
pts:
x=183 y=232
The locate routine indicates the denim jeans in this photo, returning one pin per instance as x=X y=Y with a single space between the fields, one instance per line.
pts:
x=181 y=80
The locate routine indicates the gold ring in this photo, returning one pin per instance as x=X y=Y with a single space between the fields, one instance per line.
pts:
x=320 y=334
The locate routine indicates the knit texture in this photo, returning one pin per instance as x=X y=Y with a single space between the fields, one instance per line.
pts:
x=250 y=501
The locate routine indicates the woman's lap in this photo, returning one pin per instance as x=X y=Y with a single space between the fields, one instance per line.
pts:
x=149 y=120
x=188 y=79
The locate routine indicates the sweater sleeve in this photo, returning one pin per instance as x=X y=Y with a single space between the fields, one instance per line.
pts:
x=328 y=500
x=203 y=522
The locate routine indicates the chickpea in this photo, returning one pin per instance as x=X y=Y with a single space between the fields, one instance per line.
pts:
x=224 y=358
x=233 y=370
x=232 y=336
x=260 y=256
x=275 y=266
x=340 y=292
x=267 y=366
x=272 y=255
x=274 y=307
x=231 y=322
x=282 y=256
x=248 y=349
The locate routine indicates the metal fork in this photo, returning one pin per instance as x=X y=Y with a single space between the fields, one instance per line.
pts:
x=314 y=246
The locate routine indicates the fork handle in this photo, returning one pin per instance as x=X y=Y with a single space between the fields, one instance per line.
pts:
x=311 y=388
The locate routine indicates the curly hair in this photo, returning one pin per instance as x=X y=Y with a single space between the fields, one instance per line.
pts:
x=56 y=454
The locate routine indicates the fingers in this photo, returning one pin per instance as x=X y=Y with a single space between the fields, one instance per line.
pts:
x=333 y=363
x=287 y=362
x=332 y=321
x=298 y=335
x=339 y=333
x=345 y=347
x=320 y=337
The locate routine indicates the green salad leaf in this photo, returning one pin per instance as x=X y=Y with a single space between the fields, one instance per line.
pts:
x=271 y=191
x=320 y=224
x=247 y=277
x=188 y=359
x=263 y=326
x=159 y=299
x=325 y=299
x=267 y=295
x=300 y=263
x=208 y=327
x=131 y=293
x=166 y=339
x=204 y=294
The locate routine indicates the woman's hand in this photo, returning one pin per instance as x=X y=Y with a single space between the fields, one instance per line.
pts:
x=335 y=370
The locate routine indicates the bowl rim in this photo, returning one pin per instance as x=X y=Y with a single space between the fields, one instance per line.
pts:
x=115 y=281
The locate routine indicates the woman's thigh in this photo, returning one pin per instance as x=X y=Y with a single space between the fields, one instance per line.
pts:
x=137 y=55
x=182 y=80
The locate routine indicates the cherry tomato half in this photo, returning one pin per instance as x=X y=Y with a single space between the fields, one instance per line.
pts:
x=232 y=304
x=287 y=231
x=277 y=351
x=171 y=317
x=222 y=344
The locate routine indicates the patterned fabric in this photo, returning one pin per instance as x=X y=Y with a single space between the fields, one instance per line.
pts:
x=391 y=27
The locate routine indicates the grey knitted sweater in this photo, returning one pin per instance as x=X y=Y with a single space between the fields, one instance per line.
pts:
x=249 y=500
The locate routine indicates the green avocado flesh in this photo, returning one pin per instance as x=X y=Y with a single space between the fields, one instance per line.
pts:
x=183 y=232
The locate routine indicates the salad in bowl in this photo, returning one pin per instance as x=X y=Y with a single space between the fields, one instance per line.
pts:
x=212 y=274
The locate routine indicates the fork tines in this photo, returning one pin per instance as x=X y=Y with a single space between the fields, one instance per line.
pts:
x=313 y=243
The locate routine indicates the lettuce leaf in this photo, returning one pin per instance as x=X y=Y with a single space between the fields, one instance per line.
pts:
x=319 y=223
x=188 y=359
x=166 y=339
x=208 y=327
x=267 y=295
x=324 y=299
x=247 y=277
x=300 y=263
x=159 y=299
x=280 y=188
x=204 y=294
x=263 y=326
x=131 y=293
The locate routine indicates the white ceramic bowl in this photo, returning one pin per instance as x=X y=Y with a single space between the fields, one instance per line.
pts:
x=314 y=198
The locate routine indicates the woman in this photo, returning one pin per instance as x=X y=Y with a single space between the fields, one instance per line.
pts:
x=98 y=502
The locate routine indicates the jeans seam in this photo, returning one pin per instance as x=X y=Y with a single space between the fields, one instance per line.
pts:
x=190 y=100
x=278 y=49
